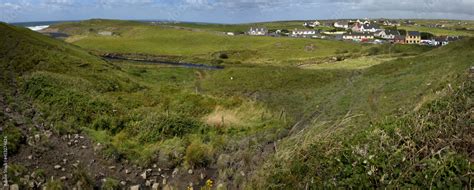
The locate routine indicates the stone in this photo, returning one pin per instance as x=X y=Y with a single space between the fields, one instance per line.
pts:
x=14 y=187
x=154 y=165
x=112 y=167
x=242 y=173
x=57 y=167
x=220 y=186
x=203 y=176
x=144 y=175
x=63 y=178
x=164 y=181
x=175 y=172
x=127 y=171
x=135 y=187
x=30 y=157
x=123 y=183
x=84 y=147
x=155 y=186
x=37 y=137
x=190 y=171
x=8 y=110
x=148 y=183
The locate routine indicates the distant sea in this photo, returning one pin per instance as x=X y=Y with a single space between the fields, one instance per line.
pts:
x=40 y=25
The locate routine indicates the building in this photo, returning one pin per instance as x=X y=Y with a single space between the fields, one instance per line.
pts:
x=312 y=24
x=303 y=33
x=358 y=36
x=105 y=33
x=258 y=31
x=391 y=23
x=413 y=37
x=357 y=27
x=370 y=28
x=389 y=34
x=341 y=24
x=399 y=39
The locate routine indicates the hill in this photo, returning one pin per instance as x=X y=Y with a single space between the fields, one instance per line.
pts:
x=244 y=126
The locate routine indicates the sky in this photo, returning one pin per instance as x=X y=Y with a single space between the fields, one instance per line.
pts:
x=232 y=11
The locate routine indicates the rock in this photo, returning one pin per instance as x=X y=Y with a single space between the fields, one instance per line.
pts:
x=159 y=169
x=127 y=171
x=144 y=175
x=155 y=186
x=112 y=167
x=135 y=187
x=30 y=157
x=154 y=165
x=148 y=183
x=63 y=178
x=8 y=110
x=164 y=181
x=242 y=173
x=167 y=187
x=175 y=172
x=123 y=183
x=14 y=187
x=190 y=171
x=57 y=167
x=64 y=160
x=220 y=186
x=75 y=165
x=84 y=147
x=37 y=137
x=203 y=176
x=48 y=134
x=63 y=169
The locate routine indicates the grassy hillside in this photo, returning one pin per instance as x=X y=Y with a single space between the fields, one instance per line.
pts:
x=197 y=45
x=274 y=126
x=402 y=123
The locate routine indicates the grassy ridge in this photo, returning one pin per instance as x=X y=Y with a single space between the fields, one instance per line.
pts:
x=198 y=45
x=372 y=138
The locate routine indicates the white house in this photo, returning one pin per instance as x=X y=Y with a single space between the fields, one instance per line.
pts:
x=370 y=28
x=312 y=24
x=389 y=34
x=303 y=33
x=341 y=24
x=358 y=36
x=258 y=31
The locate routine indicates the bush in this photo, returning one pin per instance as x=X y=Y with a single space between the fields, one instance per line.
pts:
x=198 y=154
x=162 y=127
x=54 y=184
x=373 y=51
x=110 y=184
x=223 y=56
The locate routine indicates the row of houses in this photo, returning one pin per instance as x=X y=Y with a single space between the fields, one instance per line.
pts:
x=359 y=31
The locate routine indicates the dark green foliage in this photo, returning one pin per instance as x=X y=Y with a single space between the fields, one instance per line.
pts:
x=162 y=127
x=429 y=148
x=110 y=184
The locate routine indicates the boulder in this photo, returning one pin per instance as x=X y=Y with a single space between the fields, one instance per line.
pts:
x=155 y=186
x=135 y=187
x=14 y=187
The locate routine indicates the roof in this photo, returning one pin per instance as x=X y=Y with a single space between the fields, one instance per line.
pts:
x=358 y=34
x=413 y=33
x=392 y=32
x=370 y=26
x=399 y=37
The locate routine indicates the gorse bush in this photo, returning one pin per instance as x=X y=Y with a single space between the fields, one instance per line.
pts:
x=163 y=127
x=198 y=154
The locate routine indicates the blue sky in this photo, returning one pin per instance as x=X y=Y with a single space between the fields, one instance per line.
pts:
x=231 y=11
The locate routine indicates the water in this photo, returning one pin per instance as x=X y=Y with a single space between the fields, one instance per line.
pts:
x=177 y=64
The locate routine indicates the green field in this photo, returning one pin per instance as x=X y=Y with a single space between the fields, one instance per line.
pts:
x=280 y=115
x=198 y=45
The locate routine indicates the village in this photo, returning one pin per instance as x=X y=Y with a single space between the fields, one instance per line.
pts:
x=361 y=31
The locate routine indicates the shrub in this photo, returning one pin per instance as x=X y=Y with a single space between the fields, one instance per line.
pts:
x=373 y=51
x=110 y=184
x=198 y=154
x=223 y=56
x=162 y=127
x=54 y=184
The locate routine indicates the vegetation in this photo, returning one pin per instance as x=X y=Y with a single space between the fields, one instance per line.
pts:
x=377 y=116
